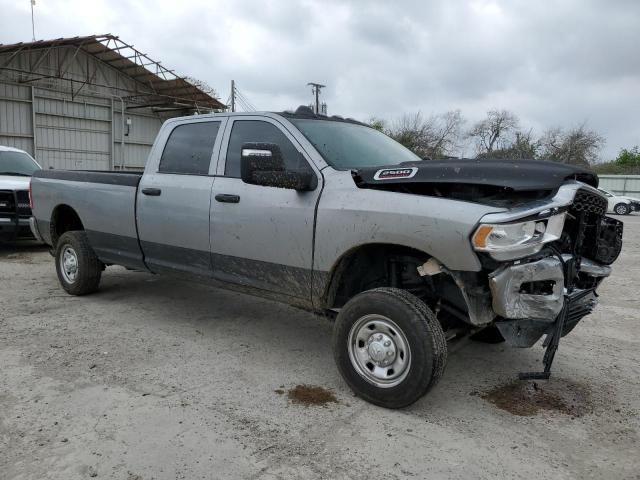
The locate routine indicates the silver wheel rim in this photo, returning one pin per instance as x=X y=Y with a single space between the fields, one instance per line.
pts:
x=379 y=351
x=620 y=209
x=69 y=264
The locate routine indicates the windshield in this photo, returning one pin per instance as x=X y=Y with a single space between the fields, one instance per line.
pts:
x=347 y=146
x=17 y=163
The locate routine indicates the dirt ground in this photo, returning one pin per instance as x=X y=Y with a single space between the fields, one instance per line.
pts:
x=156 y=379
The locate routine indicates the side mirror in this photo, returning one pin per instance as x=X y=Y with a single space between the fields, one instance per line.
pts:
x=262 y=164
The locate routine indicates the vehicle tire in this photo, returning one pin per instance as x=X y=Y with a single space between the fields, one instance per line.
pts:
x=490 y=334
x=389 y=347
x=621 y=209
x=77 y=265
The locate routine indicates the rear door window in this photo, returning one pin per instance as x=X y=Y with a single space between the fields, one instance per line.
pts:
x=189 y=149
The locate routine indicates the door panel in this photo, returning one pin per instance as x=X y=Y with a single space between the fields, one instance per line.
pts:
x=174 y=200
x=265 y=238
x=174 y=225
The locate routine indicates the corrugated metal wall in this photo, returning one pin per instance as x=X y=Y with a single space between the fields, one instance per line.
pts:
x=80 y=130
x=16 y=119
x=621 y=184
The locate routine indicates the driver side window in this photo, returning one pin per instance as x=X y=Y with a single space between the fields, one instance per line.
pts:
x=247 y=131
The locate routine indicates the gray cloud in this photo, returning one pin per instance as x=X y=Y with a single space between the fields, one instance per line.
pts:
x=552 y=63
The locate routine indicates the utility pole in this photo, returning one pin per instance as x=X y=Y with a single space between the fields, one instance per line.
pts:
x=315 y=88
x=233 y=95
x=33 y=26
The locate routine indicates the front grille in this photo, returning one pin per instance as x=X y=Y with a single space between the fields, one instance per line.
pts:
x=22 y=198
x=589 y=202
x=588 y=232
x=15 y=203
x=7 y=202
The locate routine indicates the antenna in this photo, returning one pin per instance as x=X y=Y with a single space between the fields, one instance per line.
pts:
x=33 y=25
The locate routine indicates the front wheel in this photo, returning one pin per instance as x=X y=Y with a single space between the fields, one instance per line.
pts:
x=621 y=209
x=389 y=347
x=77 y=266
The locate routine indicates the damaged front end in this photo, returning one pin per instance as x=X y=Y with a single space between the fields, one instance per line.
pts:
x=549 y=290
x=528 y=297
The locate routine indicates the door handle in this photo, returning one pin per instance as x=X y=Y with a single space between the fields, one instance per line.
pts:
x=154 y=192
x=228 y=198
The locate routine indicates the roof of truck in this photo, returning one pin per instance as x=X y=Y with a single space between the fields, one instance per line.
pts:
x=4 y=148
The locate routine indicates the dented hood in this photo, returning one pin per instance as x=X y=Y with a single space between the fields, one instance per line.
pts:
x=515 y=176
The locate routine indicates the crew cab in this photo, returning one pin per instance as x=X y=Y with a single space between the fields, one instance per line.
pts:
x=16 y=168
x=330 y=215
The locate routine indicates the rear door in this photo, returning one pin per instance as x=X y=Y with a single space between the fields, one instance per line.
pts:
x=175 y=196
x=262 y=236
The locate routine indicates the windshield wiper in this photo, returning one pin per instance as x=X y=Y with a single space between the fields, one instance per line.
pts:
x=16 y=174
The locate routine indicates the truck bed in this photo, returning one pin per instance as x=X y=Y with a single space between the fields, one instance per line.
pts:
x=105 y=203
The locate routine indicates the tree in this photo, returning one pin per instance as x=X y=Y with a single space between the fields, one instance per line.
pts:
x=578 y=146
x=523 y=147
x=377 y=124
x=495 y=132
x=629 y=158
x=434 y=137
x=626 y=163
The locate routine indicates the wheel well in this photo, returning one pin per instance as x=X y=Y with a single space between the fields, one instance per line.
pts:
x=384 y=265
x=64 y=219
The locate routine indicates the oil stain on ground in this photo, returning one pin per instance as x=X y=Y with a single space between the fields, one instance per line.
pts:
x=311 y=395
x=529 y=398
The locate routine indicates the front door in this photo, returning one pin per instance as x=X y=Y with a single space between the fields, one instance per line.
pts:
x=262 y=237
x=174 y=201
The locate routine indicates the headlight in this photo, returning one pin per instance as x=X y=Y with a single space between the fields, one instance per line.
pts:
x=509 y=241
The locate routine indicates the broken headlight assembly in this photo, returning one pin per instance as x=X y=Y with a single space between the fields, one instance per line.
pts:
x=510 y=241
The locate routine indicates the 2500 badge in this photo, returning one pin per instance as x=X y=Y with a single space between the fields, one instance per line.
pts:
x=395 y=173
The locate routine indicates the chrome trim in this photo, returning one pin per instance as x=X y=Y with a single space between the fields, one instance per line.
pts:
x=590 y=267
x=249 y=152
x=506 y=283
x=543 y=208
x=33 y=226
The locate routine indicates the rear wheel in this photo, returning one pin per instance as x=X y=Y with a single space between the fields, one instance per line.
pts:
x=389 y=347
x=77 y=265
x=621 y=209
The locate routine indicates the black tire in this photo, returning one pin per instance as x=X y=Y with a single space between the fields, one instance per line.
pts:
x=88 y=268
x=427 y=345
x=621 y=209
x=490 y=334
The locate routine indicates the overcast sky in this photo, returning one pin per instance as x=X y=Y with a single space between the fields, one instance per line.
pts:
x=553 y=63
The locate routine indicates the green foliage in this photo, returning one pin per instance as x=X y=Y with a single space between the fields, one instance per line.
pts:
x=626 y=163
x=377 y=124
x=629 y=158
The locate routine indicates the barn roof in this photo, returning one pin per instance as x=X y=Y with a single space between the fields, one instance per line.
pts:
x=161 y=87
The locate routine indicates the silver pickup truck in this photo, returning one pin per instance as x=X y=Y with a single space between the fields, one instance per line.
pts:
x=330 y=215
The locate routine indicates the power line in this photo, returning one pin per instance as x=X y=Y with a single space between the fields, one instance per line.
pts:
x=236 y=98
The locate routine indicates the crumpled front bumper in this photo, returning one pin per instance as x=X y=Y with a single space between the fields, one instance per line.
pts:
x=525 y=317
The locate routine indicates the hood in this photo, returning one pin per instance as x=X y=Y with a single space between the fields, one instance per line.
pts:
x=501 y=183
x=14 y=182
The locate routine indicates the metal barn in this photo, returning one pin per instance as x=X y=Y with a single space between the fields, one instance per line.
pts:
x=92 y=103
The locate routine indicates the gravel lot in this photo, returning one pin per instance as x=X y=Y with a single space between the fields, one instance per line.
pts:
x=153 y=378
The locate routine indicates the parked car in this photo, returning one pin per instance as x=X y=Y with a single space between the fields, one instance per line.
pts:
x=16 y=168
x=333 y=216
x=620 y=204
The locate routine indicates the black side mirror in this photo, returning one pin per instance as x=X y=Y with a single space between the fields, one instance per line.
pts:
x=262 y=164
